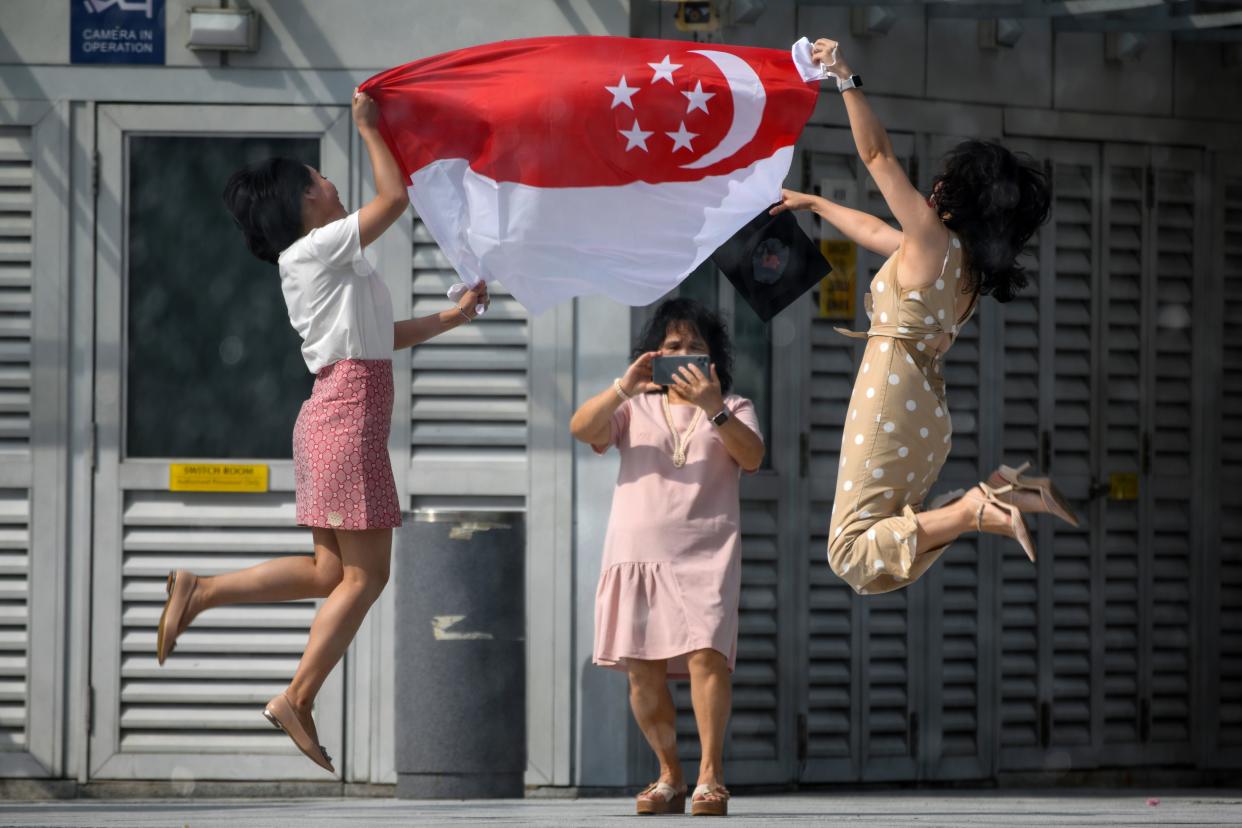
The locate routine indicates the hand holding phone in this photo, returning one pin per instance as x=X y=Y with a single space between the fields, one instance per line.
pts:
x=664 y=367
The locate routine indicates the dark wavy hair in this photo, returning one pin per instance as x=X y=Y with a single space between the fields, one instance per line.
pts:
x=995 y=200
x=677 y=312
x=265 y=199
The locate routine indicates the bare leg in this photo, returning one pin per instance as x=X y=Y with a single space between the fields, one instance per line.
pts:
x=281 y=579
x=653 y=709
x=365 y=556
x=940 y=527
x=711 y=692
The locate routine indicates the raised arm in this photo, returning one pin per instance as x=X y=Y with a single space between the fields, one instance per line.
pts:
x=925 y=237
x=861 y=228
x=592 y=423
x=390 y=197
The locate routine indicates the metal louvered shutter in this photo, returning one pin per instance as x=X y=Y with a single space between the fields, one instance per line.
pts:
x=1145 y=558
x=1018 y=716
x=234 y=658
x=16 y=255
x=1173 y=427
x=1065 y=553
x=754 y=729
x=832 y=733
x=1119 y=531
x=14 y=616
x=16 y=228
x=956 y=696
x=469 y=397
x=866 y=654
x=1221 y=741
x=1046 y=610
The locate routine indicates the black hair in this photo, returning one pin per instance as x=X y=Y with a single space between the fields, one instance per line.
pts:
x=675 y=312
x=995 y=200
x=265 y=199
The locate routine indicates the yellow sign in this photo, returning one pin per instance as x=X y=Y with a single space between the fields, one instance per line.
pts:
x=216 y=477
x=836 y=290
x=1123 y=487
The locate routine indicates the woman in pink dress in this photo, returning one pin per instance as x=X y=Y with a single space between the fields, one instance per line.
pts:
x=667 y=602
x=292 y=217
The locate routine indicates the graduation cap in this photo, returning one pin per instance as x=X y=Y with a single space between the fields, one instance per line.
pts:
x=771 y=262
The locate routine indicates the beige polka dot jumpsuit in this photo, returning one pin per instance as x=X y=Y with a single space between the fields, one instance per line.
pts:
x=897 y=431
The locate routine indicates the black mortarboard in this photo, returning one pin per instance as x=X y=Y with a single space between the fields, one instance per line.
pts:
x=771 y=262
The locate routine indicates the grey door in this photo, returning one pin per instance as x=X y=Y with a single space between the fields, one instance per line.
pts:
x=1220 y=737
x=195 y=362
x=1098 y=639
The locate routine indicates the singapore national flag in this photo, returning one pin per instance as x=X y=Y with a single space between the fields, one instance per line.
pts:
x=564 y=166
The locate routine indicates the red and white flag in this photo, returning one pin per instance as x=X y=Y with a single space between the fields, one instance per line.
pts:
x=564 y=166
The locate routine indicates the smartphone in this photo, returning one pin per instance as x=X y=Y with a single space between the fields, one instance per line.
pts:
x=663 y=367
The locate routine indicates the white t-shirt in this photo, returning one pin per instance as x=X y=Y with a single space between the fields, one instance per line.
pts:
x=337 y=303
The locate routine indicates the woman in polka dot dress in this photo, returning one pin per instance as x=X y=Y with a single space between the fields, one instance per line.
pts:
x=951 y=249
x=293 y=217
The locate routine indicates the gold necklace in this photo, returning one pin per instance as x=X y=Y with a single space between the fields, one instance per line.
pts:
x=680 y=441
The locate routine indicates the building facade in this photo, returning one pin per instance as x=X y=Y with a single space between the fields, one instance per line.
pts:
x=136 y=332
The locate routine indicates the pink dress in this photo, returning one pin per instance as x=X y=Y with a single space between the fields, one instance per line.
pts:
x=671 y=573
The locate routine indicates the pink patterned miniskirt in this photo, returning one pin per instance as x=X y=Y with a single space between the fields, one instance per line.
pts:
x=341 y=470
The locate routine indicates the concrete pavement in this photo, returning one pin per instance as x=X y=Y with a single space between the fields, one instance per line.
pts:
x=953 y=809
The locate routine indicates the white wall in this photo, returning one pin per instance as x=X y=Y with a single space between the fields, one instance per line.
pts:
x=332 y=34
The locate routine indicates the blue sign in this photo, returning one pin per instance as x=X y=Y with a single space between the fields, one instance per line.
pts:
x=116 y=31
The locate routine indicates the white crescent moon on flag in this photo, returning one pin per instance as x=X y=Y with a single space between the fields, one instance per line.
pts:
x=747 y=107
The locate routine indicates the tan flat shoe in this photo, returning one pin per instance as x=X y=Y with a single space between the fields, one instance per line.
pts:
x=180 y=588
x=1017 y=528
x=1033 y=494
x=710 y=800
x=280 y=713
x=660 y=798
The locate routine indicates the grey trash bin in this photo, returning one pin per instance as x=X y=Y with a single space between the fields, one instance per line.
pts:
x=461 y=655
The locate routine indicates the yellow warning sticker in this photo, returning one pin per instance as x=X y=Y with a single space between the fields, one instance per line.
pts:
x=1123 y=487
x=836 y=290
x=217 y=477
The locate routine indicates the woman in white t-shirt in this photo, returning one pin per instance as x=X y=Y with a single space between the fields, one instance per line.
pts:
x=293 y=217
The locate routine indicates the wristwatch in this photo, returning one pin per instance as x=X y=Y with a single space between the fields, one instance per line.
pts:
x=852 y=82
x=721 y=418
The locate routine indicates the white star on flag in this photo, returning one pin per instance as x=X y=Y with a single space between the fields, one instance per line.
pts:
x=622 y=94
x=698 y=98
x=681 y=138
x=664 y=70
x=635 y=136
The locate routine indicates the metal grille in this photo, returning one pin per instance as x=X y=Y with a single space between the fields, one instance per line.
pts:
x=16 y=251
x=1228 y=659
x=1068 y=551
x=14 y=616
x=233 y=659
x=1119 y=535
x=1019 y=715
x=469 y=397
x=1168 y=719
x=16 y=204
